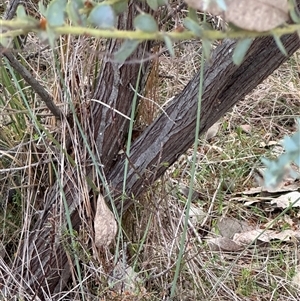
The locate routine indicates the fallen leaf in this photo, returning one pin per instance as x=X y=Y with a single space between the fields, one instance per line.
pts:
x=223 y=244
x=249 y=237
x=229 y=226
x=268 y=144
x=246 y=128
x=286 y=235
x=250 y=203
x=256 y=190
x=197 y=215
x=105 y=224
x=287 y=200
x=256 y=15
x=124 y=278
x=252 y=191
x=212 y=131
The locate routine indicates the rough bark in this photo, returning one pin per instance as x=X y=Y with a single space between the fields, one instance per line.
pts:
x=114 y=87
x=41 y=267
x=11 y=9
x=163 y=141
x=224 y=85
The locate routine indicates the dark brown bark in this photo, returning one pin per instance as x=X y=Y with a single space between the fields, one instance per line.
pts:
x=114 y=87
x=41 y=267
x=163 y=141
x=224 y=85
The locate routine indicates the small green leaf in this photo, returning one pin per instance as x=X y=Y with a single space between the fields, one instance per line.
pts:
x=103 y=16
x=162 y=2
x=153 y=4
x=55 y=13
x=145 y=22
x=42 y=8
x=293 y=13
x=74 y=15
x=193 y=26
x=290 y=144
x=280 y=45
x=21 y=13
x=274 y=173
x=192 y=14
x=126 y=50
x=240 y=50
x=169 y=45
x=206 y=47
x=120 y=7
x=5 y=42
x=297 y=160
x=51 y=36
x=277 y=169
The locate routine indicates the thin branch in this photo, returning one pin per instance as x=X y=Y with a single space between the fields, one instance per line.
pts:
x=11 y=9
x=36 y=86
x=17 y=66
x=210 y=35
x=110 y=107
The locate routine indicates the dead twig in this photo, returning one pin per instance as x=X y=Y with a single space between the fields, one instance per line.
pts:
x=17 y=66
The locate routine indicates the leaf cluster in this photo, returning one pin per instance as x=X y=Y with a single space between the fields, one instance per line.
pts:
x=247 y=20
x=279 y=168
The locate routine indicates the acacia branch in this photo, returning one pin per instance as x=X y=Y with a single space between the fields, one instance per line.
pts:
x=210 y=35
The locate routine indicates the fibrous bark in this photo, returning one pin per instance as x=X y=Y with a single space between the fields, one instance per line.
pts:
x=43 y=266
x=224 y=85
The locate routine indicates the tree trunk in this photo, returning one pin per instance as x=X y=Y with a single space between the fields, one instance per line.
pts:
x=42 y=267
x=163 y=141
x=224 y=85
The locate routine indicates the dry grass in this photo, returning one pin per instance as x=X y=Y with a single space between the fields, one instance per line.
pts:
x=152 y=230
x=225 y=169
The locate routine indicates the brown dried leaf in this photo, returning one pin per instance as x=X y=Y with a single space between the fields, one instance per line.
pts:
x=212 y=131
x=223 y=244
x=257 y=15
x=248 y=237
x=265 y=236
x=269 y=192
x=246 y=128
x=229 y=226
x=286 y=200
x=286 y=235
x=105 y=224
